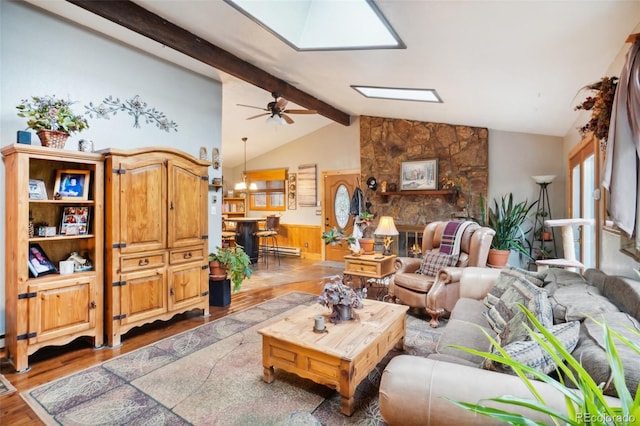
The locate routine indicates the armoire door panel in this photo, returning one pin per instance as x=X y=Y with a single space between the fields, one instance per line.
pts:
x=144 y=295
x=62 y=308
x=143 y=209
x=184 y=285
x=187 y=217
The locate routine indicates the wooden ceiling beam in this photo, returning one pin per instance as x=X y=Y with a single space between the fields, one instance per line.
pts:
x=141 y=21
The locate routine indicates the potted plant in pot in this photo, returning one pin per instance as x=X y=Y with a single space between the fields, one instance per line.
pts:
x=507 y=219
x=364 y=221
x=52 y=119
x=231 y=262
x=336 y=236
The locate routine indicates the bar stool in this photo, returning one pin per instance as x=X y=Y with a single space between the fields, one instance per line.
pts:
x=269 y=238
x=228 y=237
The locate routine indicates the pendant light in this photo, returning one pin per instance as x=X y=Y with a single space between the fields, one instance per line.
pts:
x=242 y=186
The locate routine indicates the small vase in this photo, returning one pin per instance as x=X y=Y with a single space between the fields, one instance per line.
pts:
x=341 y=312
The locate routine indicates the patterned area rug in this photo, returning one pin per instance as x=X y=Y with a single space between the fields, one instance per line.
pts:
x=211 y=375
x=6 y=388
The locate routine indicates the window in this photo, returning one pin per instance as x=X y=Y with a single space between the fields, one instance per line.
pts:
x=271 y=191
x=584 y=175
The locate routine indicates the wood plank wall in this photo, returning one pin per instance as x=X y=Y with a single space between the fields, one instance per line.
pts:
x=306 y=237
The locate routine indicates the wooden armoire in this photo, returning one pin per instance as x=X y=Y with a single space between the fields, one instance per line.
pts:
x=155 y=237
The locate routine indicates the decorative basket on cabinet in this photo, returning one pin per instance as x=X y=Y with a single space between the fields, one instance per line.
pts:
x=53 y=138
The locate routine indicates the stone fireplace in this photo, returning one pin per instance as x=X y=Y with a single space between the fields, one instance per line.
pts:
x=463 y=159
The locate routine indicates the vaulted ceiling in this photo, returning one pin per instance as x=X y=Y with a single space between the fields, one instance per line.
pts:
x=506 y=65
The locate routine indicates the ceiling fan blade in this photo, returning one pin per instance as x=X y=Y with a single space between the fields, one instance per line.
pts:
x=300 y=111
x=281 y=103
x=251 y=106
x=288 y=119
x=259 y=115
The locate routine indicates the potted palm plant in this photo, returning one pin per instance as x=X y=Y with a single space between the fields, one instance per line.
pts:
x=507 y=219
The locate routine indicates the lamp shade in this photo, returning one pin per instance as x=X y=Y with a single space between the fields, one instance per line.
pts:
x=386 y=226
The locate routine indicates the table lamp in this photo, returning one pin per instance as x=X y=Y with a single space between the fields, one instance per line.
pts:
x=387 y=228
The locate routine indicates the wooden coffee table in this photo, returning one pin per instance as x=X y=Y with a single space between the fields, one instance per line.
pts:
x=342 y=356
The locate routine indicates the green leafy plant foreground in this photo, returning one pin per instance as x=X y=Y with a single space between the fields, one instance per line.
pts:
x=586 y=403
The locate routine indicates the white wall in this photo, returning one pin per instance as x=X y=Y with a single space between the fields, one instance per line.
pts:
x=45 y=55
x=515 y=157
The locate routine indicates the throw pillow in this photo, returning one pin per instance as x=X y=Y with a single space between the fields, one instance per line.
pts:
x=506 y=278
x=532 y=354
x=433 y=261
x=507 y=319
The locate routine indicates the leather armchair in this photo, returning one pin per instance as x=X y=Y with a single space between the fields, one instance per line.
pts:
x=438 y=294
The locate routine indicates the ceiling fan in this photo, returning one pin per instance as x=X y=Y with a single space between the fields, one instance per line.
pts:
x=277 y=109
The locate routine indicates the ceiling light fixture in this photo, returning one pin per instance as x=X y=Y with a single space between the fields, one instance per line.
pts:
x=275 y=120
x=420 y=95
x=242 y=186
x=324 y=25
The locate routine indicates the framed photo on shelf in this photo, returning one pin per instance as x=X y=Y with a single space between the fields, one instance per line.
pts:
x=37 y=190
x=75 y=221
x=72 y=184
x=39 y=263
x=419 y=175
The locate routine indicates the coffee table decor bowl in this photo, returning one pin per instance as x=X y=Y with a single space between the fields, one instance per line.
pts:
x=341 y=299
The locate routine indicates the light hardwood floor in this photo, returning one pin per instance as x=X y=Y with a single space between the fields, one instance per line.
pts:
x=49 y=364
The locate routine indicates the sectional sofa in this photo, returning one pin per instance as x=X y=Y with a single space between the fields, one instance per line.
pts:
x=412 y=387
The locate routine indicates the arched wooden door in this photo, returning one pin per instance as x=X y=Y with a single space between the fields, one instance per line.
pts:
x=338 y=190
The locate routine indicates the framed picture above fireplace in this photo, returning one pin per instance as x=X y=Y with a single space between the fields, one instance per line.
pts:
x=419 y=175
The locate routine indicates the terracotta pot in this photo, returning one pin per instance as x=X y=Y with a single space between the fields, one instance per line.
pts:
x=498 y=258
x=546 y=236
x=366 y=244
x=216 y=271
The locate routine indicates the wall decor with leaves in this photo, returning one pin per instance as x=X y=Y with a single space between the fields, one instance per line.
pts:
x=134 y=107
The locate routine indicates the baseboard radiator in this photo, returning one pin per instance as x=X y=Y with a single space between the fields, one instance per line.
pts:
x=284 y=251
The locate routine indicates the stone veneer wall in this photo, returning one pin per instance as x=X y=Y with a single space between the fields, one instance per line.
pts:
x=462 y=153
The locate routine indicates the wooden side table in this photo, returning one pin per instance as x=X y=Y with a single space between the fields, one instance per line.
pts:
x=370 y=269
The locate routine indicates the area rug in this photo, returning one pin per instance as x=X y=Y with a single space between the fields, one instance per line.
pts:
x=211 y=375
x=6 y=388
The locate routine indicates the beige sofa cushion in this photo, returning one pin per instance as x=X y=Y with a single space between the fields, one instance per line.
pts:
x=591 y=353
x=465 y=328
x=575 y=302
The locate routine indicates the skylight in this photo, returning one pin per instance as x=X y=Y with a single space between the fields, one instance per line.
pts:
x=420 y=95
x=323 y=24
